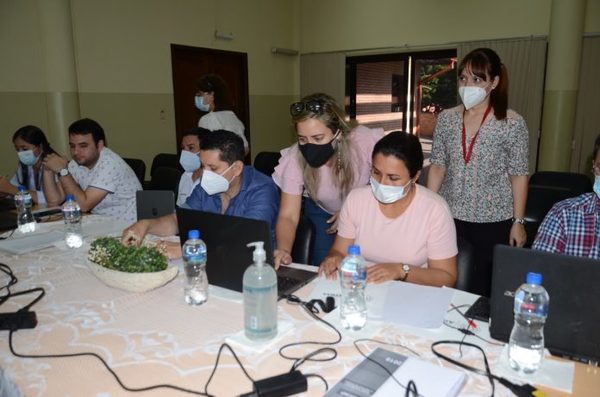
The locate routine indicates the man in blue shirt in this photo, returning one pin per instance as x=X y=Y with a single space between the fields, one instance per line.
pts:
x=227 y=187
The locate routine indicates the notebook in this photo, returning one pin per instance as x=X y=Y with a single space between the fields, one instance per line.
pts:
x=228 y=256
x=369 y=378
x=154 y=203
x=572 y=329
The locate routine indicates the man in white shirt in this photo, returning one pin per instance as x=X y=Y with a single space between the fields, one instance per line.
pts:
x=100 y=180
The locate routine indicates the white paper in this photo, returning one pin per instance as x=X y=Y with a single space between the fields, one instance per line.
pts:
x=448 y=382
x=416 y=305
x=29 y=243
x=374 y=294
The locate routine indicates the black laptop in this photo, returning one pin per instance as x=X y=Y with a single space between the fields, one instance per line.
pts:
x=154 y=203
x=573 y=283
x=228 y=256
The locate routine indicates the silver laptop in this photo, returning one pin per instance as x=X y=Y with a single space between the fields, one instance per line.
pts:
x=154 y=203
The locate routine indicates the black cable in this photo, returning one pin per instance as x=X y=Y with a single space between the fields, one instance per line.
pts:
x=312 y=311
x=13 y=280
x=9 y=235
x=217 y=364
x=487 y=373
x=109 y=369
x=524 y=390
x=320 y=377
x=411 y=389
x=407 y=387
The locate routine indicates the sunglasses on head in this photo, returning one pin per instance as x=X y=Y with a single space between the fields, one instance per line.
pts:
x=313 y=106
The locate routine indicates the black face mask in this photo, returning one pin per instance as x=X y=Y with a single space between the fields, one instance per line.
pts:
x=317 y=155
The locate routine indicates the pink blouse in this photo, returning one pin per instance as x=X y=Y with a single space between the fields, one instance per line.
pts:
x=424 y=231
x=288 y=173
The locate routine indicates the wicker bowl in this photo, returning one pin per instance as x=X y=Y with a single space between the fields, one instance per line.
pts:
x=134 y=282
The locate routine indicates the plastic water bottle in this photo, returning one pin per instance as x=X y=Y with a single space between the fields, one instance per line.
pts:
x=72 y=215
x=194 y=263
x=260 y=297
x=353 y=279
x=23 y=202
x=526 y=344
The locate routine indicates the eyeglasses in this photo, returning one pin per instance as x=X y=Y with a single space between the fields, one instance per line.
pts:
x=313 y=106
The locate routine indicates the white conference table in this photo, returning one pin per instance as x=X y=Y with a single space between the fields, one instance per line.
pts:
x=155 y=338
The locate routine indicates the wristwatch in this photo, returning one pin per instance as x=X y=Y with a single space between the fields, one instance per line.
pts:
x=518 y=220
x=406 y=269
x=63 y=172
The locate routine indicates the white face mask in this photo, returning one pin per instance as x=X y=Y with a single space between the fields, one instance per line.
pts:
x=214 y=183
x=189 y=161
x=597 y=186
x=388 y=194
x=471 y=96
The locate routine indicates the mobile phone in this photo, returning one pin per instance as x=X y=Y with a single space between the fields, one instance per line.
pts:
x=480 y=310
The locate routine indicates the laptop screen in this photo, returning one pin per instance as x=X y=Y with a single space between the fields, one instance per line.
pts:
x=573 y=325
x=226 y=238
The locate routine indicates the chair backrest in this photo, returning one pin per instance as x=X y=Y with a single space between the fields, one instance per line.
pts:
x=465 y=265
x=165 y=178
x=266 y=162
x=424 y=175
x=545 y=189
x=304 y=241
x=165 y=160
x=575 y=183
x=138 y=166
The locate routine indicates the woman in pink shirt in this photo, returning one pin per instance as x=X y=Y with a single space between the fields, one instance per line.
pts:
x=328 y=161
x=405 y=229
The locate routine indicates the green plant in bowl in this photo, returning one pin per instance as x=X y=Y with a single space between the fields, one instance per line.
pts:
x=131 y=268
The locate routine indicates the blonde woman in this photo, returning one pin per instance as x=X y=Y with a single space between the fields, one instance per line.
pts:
x=330 y=159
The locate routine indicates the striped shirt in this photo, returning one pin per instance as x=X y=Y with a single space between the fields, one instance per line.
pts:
x=572 y=227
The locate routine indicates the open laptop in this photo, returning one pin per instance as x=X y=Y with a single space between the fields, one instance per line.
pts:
x=228 y=256
x=573 y=284
x=154 y=203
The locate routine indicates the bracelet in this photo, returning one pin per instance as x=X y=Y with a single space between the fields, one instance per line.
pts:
x=518 y=220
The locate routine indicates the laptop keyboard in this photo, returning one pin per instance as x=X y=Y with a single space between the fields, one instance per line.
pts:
x=285 y=283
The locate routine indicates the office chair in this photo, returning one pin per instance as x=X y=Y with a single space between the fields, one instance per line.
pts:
x=266 y=162
x=165 y=178
x=165 y=160
x=304 y=241
x=138 y=166
x=465 y=264
x=547 y=188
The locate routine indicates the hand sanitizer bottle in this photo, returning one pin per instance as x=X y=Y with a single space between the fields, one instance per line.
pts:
x=260 y=297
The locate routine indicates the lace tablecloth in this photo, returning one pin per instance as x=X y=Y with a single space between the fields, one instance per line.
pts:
x=155 y=338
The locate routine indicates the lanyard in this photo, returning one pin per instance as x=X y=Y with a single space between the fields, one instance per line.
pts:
x=467 y=154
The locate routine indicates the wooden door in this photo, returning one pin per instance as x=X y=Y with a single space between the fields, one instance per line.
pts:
x=191 y=63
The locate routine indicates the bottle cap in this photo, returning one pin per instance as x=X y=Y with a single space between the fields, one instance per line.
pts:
x=70 y=197
x=21 y=188
x=193 y=234
x=259 y=255
x=354 y=250
x=534 y=278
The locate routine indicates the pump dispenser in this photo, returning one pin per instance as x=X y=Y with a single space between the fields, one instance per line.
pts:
x=260 y=296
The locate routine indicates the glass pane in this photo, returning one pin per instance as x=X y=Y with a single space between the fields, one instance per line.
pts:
x=380 y=94
x=435 y=90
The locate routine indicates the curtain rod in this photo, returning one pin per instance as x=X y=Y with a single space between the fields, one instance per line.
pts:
x=441 y=46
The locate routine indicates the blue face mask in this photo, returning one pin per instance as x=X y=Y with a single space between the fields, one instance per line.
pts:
x=199 y=102
x=27 y=157
x=597 y=186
